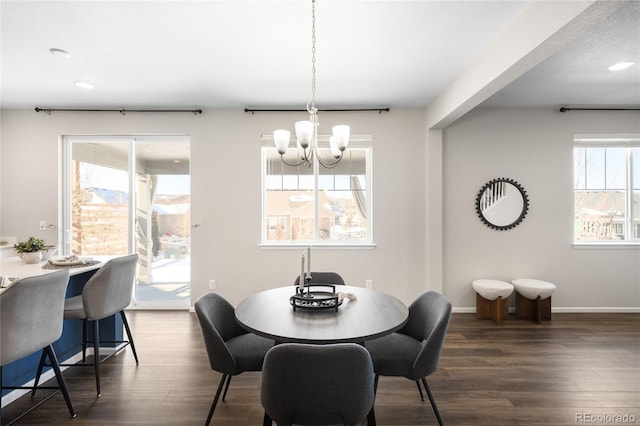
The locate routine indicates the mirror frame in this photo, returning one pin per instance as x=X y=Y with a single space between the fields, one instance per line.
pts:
x=523 y=213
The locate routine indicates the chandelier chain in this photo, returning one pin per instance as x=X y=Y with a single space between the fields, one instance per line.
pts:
x=313 y=109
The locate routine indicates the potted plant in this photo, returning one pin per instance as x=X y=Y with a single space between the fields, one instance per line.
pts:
x=31 y=250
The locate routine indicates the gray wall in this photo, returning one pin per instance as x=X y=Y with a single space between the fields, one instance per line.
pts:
x=535 y=148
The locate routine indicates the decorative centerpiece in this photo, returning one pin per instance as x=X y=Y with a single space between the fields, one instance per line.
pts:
x=30 y=251
x=307 y=299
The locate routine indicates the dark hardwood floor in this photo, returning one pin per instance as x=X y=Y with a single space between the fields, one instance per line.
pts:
x=564 y=372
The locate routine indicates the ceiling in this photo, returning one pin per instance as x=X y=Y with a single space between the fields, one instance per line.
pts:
x=236 y=53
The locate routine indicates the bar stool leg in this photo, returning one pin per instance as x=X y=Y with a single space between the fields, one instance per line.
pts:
x=96 y=355
x=38 y=373
x=128 y=330
x=61 y=382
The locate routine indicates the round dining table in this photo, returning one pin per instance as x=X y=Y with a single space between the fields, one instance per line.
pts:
x=370 y=314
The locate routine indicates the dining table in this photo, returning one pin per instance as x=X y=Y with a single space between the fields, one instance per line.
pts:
x=360 y=314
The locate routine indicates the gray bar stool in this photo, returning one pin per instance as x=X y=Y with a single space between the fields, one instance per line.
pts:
x=31 y=312
x=106 y=293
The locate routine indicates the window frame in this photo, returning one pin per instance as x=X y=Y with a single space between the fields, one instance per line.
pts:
x=629 y=142
x=357 y=141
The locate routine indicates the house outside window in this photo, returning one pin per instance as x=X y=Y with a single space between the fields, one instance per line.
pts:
x=311 y=204
x=607 y=189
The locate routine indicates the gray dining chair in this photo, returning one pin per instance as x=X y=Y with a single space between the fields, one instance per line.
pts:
x=31 y=313
x=230 y=348
x=414 y=351
x=323 y=278
x=317 y=384
x=106 y=293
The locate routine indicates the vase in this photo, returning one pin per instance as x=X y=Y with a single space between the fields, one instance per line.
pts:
x=32 y=257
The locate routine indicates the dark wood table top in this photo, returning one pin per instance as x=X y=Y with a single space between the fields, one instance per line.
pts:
x=373 y=314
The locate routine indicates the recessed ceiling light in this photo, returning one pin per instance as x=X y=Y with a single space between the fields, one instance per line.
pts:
x=177 y=161
x=83 y=84
x=59 y=52
x=620 y=66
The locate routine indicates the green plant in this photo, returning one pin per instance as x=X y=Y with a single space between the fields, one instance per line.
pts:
x=31 y=245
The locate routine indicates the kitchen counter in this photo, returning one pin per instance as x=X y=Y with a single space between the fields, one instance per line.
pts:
x=67 y=348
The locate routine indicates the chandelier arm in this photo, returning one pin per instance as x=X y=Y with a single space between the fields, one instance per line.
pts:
x=304 y=161
x=330 y=165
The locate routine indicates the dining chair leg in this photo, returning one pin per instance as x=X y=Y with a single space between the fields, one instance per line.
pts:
x=371 y=417
x=96 y=355
x=433 y=402
x=61 y=382
x=267 y=420
x=38 y=373
x=420 y=390
x=375 y=384
x=215 y=399
x=226 y=388
x=128 y=330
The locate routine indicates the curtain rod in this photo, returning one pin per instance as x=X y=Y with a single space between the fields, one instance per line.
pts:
x=121 y=111
x=379 y=110
x=565 y=109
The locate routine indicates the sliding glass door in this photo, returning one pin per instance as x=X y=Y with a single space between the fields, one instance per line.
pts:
x=126 y=194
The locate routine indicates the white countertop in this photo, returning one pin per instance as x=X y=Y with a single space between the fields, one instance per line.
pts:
x=13 y=266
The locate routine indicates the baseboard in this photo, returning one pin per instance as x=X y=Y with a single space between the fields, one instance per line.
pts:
x=596 y=309
x=49 y=374
x=566 y=310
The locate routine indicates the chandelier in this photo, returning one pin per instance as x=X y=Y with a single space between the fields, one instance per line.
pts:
x=307 y=131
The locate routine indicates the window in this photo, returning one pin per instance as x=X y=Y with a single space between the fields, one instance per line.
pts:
x=607 y=188
x=316 y=205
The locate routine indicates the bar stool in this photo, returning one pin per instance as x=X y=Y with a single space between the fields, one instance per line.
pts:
x=31 y=312
x=492 y=299
x=533 y=299
x=106 y=293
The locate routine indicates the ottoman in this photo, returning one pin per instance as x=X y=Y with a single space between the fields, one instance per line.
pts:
x=492 y=299
x=533 y=299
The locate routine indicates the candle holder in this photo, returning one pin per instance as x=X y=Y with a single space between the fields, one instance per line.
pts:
x=316 y=299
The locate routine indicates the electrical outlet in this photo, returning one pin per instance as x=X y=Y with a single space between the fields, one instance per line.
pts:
x=369 y=283
x=212 y=284
x=43 y=225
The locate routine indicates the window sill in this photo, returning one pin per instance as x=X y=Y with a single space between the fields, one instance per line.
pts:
x=347 y=246
x=607 y=245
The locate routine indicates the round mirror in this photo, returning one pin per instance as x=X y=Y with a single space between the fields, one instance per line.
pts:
x=502 y=203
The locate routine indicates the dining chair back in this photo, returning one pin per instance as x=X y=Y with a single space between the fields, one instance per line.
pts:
x=317 y=384
x=414 y=351
x=31 y=313
x=323 y=278
x=230 y=348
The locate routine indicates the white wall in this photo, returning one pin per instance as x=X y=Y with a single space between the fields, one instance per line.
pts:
x=225 y=193
x=532 y=146
x=535 y=148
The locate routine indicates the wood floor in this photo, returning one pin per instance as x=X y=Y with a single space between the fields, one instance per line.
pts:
x=564 y=372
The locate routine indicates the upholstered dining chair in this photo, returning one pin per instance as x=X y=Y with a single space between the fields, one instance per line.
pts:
x=323 y=278
x=230 y=348
x=403 y=354
x=31 y=313
x=106 y=293
x=317 y=384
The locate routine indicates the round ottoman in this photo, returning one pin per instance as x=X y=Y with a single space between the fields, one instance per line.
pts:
x=492 y=299
x=533 y=299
